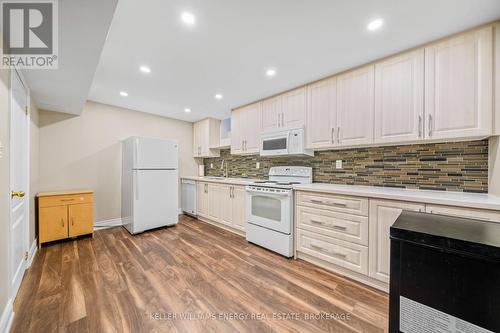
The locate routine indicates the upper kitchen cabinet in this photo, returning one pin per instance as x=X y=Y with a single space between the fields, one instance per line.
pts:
x=321 y=119
x=206 y=135
x=287 y=110
x=246 y=129
x=355 y=109
x=458 y=86
x=399 y=98
x=271 y=114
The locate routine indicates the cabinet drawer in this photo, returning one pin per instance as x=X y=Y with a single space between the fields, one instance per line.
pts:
x=59 y=200
x=338 y=203
x=352 y=228
x=345 y=254
x=487 y=215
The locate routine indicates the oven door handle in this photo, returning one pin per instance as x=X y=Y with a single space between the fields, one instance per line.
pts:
x=281 y=194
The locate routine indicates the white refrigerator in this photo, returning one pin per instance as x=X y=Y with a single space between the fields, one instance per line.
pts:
x=150 y=183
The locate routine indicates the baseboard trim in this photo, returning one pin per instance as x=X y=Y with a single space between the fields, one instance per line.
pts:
x=32 y=253
x=108 y=224
x=7 y=317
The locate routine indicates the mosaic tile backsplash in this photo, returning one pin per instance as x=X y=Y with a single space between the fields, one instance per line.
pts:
x=458 y=166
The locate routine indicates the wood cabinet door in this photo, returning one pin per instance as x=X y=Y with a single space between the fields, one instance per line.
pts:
x=383 y=213
x=293 y=105
x=237 y=131
x=355 y=106
x=321 y=113
x=238 y=204
x=214 y=202
x=53 y=223
x=458 y=86
x=271 y=114
x=202 y=199
x=81 y=219
x=225 y=201
x=399 y=98
x=252 y=128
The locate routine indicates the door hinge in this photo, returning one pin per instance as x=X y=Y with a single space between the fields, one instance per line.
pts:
x=26 y=110
x=26 y=255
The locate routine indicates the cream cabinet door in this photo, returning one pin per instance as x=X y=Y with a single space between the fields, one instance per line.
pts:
x=383 y=213
x=355 y=92
x=293 y=105
x=399 y=98
x=321 y=113
x=252 y=128
x=237 y=128
x=238 y=207
x=215 y=201
x=196 y=140
x=225 y=202
x=204 y=137
x=271 y=114
x=458 y=86
x=202 y=199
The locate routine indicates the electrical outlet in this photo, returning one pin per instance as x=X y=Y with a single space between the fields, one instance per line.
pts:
x=1 y=150
x=257 y=165
x=211 y=165
x=338 y=164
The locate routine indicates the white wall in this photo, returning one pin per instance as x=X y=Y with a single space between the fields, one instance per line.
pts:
x=85 y=151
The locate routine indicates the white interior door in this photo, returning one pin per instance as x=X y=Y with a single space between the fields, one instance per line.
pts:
x=18 y=181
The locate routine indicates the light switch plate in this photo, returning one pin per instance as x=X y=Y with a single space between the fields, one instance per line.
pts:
x=338 y=164
x=257 y=165
x=211 y=165
x=1 y=149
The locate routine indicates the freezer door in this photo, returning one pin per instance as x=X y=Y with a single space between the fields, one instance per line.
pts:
x=155 y=154
x=156 y=199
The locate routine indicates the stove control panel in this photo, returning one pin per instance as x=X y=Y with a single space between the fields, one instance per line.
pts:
x=292 y=171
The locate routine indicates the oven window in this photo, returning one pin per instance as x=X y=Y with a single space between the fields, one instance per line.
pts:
x=274 y=144
x=266 y=207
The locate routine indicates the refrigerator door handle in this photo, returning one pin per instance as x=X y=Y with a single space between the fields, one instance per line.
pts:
x=136 y=148
x=136 y=186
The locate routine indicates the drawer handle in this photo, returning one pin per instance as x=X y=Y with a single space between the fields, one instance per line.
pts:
x=322 y=249
x=67 y=199
x=317 y=222
x=319 y=202
x=339 y=227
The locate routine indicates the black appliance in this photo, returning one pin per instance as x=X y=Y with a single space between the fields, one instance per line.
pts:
x=445 y=274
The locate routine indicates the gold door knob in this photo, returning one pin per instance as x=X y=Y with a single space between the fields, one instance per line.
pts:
x=19 y=194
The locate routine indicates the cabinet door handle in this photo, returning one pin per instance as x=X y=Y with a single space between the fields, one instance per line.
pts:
x=338 y=134
x=72 y=221
x=419 y=125
x=62 y=223
x=430 y=124
x=333 y=135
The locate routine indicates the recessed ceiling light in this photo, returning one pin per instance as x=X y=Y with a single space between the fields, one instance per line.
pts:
x=271 y=72
x=188 y=18
x=375 y=24
x=123 y=93
x=187 y=110
x=218 y=96
x=145 y=69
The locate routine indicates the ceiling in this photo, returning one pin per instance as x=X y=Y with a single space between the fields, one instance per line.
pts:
x=83 y=27
x=234 y=42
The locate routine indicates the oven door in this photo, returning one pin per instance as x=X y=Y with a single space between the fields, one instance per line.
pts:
x=269 y=210
x=275 y=144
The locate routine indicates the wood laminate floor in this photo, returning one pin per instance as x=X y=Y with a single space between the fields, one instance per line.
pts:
x=151 y=282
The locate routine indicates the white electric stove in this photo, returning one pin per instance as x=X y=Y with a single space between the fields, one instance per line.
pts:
x=269 y=208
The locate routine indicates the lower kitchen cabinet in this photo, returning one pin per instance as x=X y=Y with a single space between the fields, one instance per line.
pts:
x=471 y=213
x=64 y=214
x=222 y=203
x=383 y=213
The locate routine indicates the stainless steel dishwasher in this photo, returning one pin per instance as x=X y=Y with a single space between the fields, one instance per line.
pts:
x=189 y=197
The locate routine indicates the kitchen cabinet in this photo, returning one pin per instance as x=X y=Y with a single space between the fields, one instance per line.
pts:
x=202 y=199
x=321 y=119
x=486 y=215
x=287 y=110
x=399 y=98
x=214 y=201
x=206 y=136
x=458 y=86
x=238 y=207
x=64 y=214
x=383 y=213
x=355 y=107
x=246 y=130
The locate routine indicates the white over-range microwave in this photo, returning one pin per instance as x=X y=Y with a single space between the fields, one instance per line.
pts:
x=284 y=142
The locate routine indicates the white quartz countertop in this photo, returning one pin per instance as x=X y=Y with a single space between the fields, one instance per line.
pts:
x=222 y=180
x=461 y=199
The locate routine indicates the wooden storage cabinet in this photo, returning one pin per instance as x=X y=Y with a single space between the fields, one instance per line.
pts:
x=63 y=215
